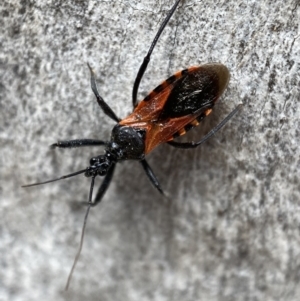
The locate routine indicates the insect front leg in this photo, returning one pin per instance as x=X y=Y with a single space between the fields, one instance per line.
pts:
x=193 y=144
x=78 y=143
x=103 y=105
x=105 y=184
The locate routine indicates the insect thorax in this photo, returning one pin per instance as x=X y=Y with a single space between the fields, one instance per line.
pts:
x=127 y=143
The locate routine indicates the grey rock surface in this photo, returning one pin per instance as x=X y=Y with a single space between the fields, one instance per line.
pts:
x=232 y=230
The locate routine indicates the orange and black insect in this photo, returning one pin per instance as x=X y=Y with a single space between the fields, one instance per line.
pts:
x=178 y=104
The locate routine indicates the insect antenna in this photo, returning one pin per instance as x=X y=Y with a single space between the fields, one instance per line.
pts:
x=82 y=235
x=54 y=180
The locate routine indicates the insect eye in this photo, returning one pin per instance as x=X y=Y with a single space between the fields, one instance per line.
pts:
x=93 y=161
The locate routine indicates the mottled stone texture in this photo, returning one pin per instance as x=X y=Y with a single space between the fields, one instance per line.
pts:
x=232 y=230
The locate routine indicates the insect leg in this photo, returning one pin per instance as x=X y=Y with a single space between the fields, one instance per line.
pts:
x=144 y=65
x=151 y=176
x=103 y=105
x=82 y=234
x=209 y=134
x=104 y=185
x=77 y=143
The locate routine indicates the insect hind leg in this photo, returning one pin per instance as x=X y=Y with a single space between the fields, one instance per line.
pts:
x=193 y=144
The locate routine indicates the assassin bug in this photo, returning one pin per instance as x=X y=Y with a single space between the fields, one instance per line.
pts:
x=178 y=104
